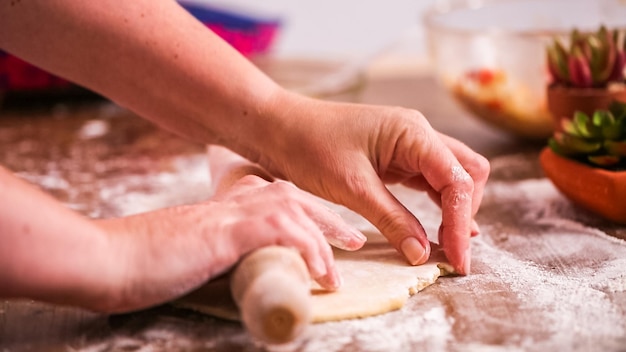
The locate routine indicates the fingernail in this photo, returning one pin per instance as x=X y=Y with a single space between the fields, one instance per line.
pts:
x=474 y=229
x=332 y=281
x=413 y=251
x=467 y=261
x=358 y=234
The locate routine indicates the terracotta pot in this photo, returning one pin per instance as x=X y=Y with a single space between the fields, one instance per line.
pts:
x=600 y=191
x=565 y=101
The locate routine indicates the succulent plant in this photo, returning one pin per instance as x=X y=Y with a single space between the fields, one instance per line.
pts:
x=593 y=59
x=598 y=140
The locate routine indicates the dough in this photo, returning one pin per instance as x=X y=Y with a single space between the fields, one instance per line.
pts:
x=376 y=280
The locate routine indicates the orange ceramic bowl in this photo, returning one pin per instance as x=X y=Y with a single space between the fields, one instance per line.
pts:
x=600 y=191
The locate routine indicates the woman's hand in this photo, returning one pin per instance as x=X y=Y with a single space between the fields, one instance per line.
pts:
x=168 y=252
x=129 y=263
x=346 y=153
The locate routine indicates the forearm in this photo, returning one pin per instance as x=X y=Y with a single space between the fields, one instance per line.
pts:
x=49 y=253
x=150 y=56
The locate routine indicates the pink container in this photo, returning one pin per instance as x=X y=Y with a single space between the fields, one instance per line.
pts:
x=248 y=34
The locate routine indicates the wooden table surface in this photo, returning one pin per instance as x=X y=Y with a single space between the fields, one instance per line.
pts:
x=546 y=274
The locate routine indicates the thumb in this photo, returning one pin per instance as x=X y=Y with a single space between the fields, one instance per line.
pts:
x=379 y=206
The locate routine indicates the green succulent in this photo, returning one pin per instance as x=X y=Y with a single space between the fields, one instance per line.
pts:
x=592 y=59
x=598 y=140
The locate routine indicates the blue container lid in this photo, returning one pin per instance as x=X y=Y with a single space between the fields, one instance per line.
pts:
x=231 y=19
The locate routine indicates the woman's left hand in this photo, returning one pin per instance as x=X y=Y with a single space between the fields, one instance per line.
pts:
x=346 y=153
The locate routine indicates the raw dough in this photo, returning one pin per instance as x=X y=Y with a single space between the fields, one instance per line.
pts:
x=376 y=280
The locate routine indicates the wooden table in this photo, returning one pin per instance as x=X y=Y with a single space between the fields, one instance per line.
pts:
x=546 y=274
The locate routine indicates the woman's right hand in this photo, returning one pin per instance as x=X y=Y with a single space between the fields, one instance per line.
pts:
x=168 y=252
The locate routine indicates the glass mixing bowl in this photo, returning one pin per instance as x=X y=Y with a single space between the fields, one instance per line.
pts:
x=490 y=54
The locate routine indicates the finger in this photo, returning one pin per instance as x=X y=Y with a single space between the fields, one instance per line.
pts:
x=287 y=224
x=370 y=198
x=313 y=246
x=419 y=183
x=336 y=230
x=315 y=250
x=456 y=226
x=448 y=178
x=475 y=164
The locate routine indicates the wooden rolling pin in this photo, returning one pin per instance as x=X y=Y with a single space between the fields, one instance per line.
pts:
x=271 y=285
x=271 y=288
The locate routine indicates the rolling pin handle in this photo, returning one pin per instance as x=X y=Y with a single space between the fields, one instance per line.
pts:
x=271 y=287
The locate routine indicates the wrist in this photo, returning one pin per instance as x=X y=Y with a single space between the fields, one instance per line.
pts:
x=276 y=130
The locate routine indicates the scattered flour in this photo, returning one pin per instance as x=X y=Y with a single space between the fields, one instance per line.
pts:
x=559 y=268
x=188 y=182
x=93 y=129
x=397 y=331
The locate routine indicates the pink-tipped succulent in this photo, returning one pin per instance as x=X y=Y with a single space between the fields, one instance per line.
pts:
x=592 y=60
x=598 y=140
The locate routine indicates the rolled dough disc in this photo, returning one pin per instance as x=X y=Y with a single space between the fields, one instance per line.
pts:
x=376 y=280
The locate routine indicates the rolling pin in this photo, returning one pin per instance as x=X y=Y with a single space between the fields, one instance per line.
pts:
x=271 y=288
x=270 y=285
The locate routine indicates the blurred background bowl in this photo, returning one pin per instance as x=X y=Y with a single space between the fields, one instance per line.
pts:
x=490 y=54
